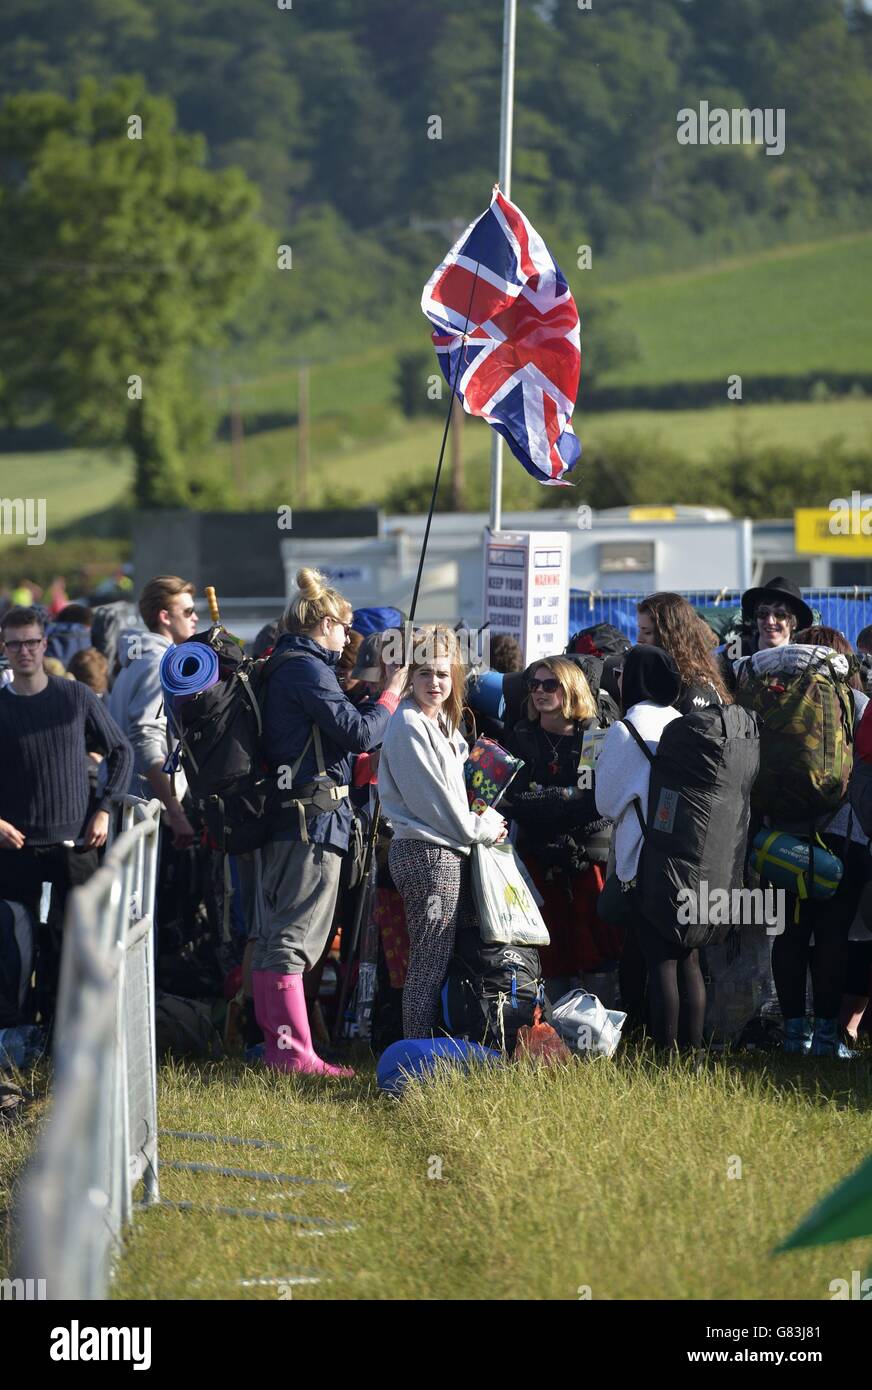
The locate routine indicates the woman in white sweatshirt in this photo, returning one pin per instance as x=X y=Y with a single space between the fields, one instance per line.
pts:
x=423 y=795
x=649 y=683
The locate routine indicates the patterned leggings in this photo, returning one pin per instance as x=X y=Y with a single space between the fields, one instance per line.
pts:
x=434 y=883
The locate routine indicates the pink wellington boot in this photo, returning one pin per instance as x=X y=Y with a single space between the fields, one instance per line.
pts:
x=259 y=983
x=286 y=1027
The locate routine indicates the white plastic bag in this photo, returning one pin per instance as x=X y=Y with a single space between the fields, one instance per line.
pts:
x=507 y=912
x=586 y=1025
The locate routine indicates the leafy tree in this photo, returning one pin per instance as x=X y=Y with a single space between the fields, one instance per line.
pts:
x=120 y=257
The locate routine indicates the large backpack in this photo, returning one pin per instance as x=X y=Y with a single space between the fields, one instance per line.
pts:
x=491 y=990
x=219 y=732
x=185 y=1028
x=806 y=713
x=696 y=827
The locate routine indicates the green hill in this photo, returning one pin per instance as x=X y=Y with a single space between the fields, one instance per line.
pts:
x=794 y=310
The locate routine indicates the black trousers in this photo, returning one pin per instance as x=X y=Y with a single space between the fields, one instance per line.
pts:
x=24 y=871
x=22 y=874
x=793 y=957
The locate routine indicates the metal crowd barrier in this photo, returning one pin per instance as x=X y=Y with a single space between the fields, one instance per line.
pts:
x=847 y=609
x=101 y=1137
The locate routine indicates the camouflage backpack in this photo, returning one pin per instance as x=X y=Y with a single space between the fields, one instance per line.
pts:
x=806 y=721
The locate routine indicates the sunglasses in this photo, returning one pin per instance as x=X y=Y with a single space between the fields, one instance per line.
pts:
x=775 y=610
x=549 y=685
x=188 y=612
x=29 y=644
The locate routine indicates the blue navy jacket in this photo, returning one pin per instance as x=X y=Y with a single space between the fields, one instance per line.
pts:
x=65 y=639
x=301 y=693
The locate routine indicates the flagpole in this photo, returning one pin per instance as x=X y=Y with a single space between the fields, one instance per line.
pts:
x=507 y=111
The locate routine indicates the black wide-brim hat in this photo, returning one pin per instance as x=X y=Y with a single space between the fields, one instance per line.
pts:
x=778 y=589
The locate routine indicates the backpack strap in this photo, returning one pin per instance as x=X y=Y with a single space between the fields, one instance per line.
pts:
x=637 y=805
x=639 y=739
x=336 y=793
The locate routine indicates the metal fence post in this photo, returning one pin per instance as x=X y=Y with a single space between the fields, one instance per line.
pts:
x=76 y=1195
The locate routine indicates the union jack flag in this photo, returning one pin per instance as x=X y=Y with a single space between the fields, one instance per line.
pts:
x=521 y=353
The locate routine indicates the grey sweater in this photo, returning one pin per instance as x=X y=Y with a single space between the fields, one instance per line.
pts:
x=136 y=704
x=422 y=788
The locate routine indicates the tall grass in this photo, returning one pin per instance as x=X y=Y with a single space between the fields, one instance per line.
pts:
x=607 y=1176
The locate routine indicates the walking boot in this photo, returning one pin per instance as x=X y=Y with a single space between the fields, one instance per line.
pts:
x=797 y=1035
x=826 y=1041
x=284 y=1019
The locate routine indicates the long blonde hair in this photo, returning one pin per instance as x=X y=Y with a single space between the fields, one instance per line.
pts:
x=429 y=643
x=314 y=600
x=578 y=702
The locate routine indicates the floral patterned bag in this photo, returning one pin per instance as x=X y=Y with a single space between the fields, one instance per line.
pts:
x=488 y=771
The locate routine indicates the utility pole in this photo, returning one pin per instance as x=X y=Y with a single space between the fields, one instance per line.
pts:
x=302 y=434
x=236 y=440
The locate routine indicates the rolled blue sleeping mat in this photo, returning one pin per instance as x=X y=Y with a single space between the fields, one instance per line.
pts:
x=485 y=694
x=187 y=670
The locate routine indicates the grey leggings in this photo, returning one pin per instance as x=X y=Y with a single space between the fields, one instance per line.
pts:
x=434 y=883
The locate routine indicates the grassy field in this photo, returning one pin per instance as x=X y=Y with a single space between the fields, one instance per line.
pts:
x=796 y=309
x=74 y=482
x=793 y=309
x=363 y=471
x=607 y=1175
x=78 y=484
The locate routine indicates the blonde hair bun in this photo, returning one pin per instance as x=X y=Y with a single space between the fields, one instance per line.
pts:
x=311 y=583
x=314 y=600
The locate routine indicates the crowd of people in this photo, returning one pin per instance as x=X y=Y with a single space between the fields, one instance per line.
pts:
x=84 y=721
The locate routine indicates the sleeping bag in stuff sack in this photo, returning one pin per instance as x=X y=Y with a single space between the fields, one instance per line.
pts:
x=783 y=861
x=696 y=827
x=491 y=990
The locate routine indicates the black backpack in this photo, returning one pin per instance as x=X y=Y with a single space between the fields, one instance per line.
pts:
x=696 y=829
x=491 y=990
x=591 y=667
x=603 y=639
x=185 y=1028
x=219 y=732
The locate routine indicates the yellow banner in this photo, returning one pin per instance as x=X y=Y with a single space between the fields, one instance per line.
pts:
x=652 y=513
x=833 y=531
